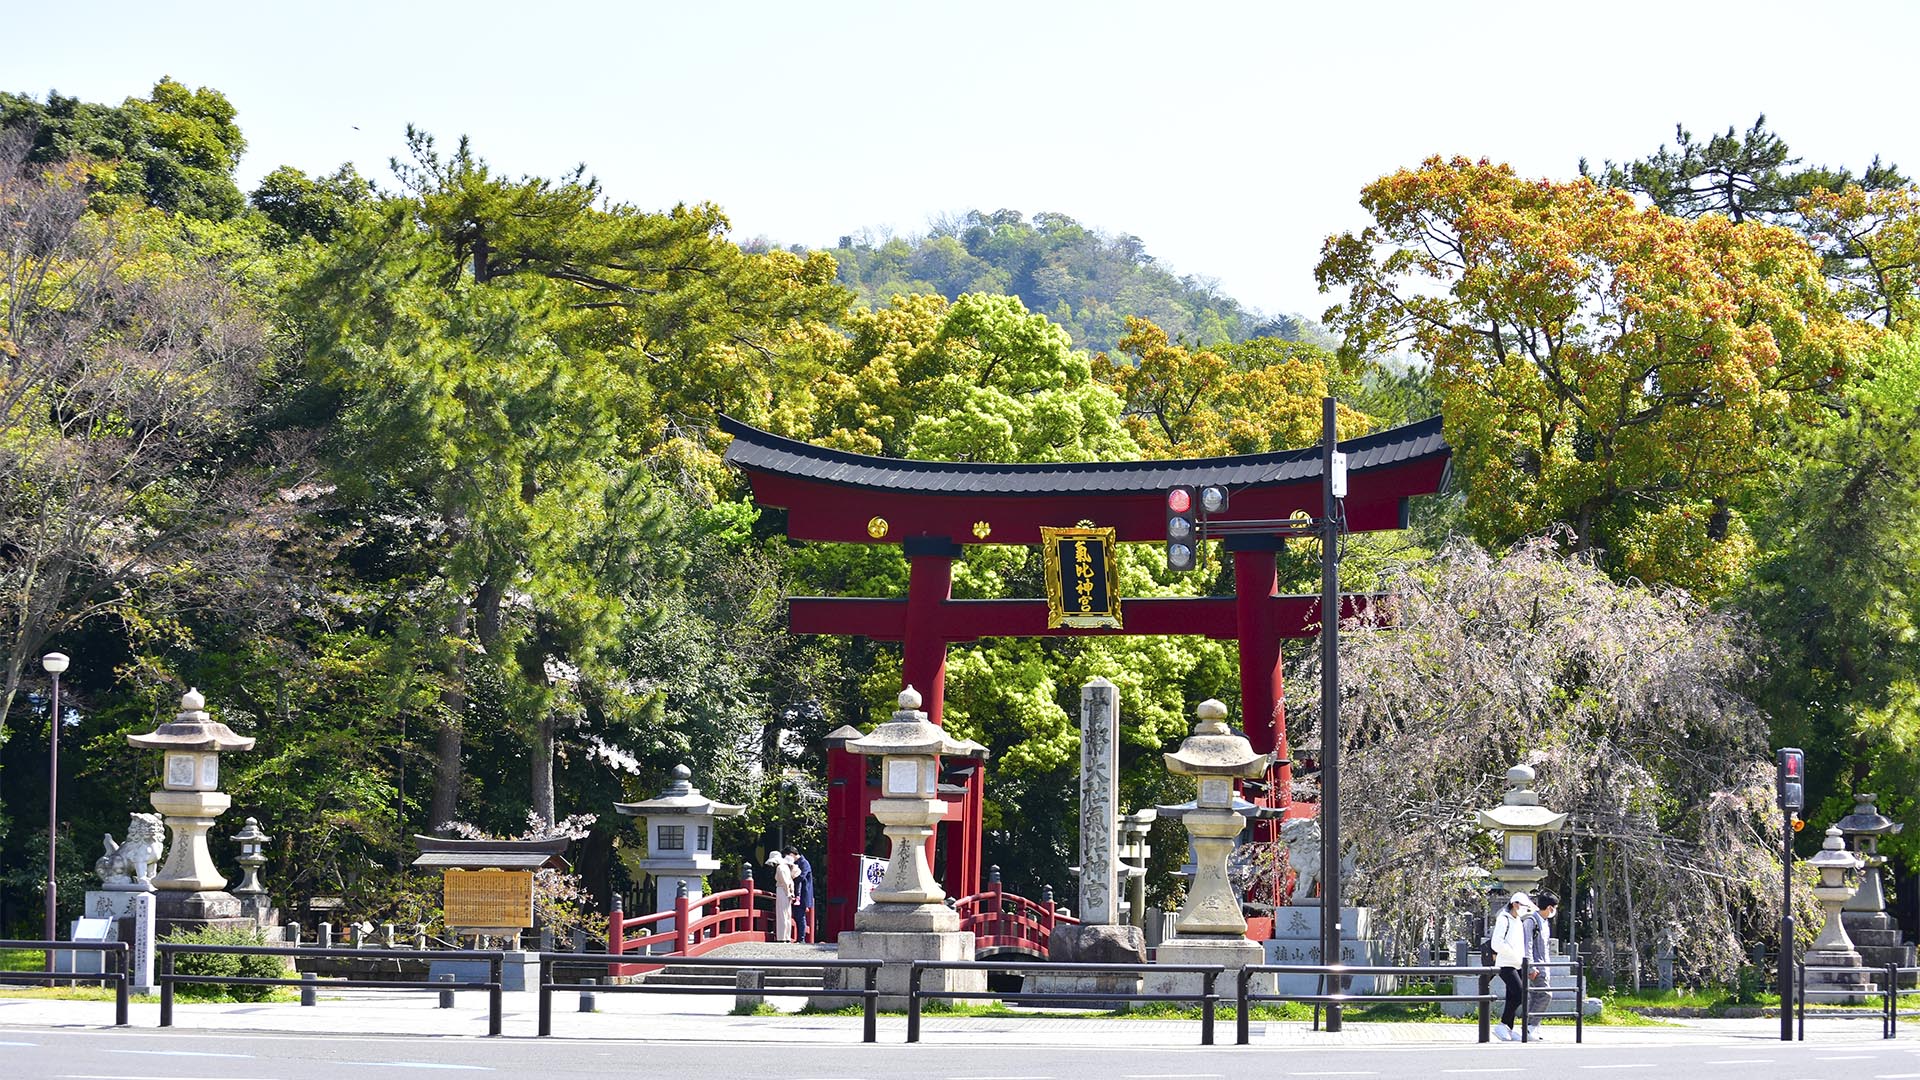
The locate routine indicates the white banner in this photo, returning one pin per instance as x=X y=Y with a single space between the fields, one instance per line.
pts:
x=871 y=871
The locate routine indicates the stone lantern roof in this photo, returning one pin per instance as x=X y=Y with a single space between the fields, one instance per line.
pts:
x=1867 y=820
x=909 y=732
x=680 y=797
x=192 y=729
x=1212 y=750
x=1521 y=809
x=1834 y=854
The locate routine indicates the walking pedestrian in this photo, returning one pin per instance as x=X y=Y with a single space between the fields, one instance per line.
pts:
x=1533 y=926
x=782 y=896
x=802 y=895
x=1509 y=952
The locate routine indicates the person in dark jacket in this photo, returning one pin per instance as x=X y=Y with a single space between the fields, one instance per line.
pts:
x=802 y=895
x=1533 y=928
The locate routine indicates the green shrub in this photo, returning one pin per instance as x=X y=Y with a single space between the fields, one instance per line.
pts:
x=224 y=965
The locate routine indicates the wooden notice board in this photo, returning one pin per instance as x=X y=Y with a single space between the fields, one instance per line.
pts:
x=488 y=899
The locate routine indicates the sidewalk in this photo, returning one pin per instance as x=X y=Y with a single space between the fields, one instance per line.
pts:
x=684 y=1018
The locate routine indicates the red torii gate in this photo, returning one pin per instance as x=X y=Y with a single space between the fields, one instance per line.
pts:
x=933 y=508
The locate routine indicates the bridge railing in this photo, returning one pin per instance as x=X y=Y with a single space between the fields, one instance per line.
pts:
x=1008 y=922
x=692 y=928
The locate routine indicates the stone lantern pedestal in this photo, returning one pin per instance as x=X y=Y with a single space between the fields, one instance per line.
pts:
x=1209 y=929
x=190 y=891
x=1836 y=971
x=909 y=918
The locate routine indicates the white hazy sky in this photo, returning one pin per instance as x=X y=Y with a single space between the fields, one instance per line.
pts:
x=1230 y=137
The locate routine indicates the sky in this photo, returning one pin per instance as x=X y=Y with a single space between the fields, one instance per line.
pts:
x=1232 y=138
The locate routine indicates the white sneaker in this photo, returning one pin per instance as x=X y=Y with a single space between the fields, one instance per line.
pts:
x=1503 y=1032
x=1534 y=1035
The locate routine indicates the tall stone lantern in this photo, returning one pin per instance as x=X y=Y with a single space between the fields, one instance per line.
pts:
x=679 y=827
x=1836 y=970
x=1875 y=934
x=908 y=919
x=190 y=888
x=1520 y=819
x=1209 y=928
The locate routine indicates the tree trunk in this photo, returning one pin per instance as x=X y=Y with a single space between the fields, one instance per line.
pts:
x=543 y=767
x=453 y=710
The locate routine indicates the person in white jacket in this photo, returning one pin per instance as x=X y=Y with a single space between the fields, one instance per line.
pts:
x=1509 y=941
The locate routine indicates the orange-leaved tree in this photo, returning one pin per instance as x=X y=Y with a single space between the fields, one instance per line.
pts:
x=1602 y=366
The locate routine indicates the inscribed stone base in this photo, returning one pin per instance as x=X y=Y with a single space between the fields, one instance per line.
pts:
x=1067 y=985
x=1877 y=938
x=1231 y=951
x=1853 y=985
x=895 y=949
x=209 y=909
x=908 y=919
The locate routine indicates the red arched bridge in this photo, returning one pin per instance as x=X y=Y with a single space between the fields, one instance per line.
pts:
x=1001 y=923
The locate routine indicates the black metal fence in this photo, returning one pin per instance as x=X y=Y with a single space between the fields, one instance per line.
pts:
x=869 y=994
x=115 y=973
x=1245 y=997
x=1886 y=982
x=1208 y=997
x=167 y=979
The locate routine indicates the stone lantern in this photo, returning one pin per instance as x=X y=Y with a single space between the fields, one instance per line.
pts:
x=908 y=919
x=1833 y=949
x=1134 y=853
x=1520 y=819
x=679 y=827
x=1209 y=928
x=252 y=894
x=190 y=887
x=1874 y=933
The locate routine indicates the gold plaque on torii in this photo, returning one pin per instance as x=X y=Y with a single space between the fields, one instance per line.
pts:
x=488 y=899
x=1083 y=576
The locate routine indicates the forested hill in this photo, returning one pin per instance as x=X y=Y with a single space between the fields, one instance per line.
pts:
x=1083 y=279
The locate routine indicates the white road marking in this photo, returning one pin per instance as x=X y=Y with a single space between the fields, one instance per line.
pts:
x=177 y=1053
x=1643 y=1065
x=1896 y=1076
x=1740 y=1061
x=18 y=1044
x=1848 y=1057
x=418 y=1065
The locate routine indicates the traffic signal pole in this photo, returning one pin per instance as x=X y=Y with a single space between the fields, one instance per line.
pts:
x=1329 y=709
x=1791 y=779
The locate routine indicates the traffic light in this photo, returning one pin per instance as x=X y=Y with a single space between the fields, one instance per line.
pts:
x=1213 y=500
x=1181 y=533
x=1793 y=779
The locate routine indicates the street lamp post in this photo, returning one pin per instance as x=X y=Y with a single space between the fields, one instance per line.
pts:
x=54 y=663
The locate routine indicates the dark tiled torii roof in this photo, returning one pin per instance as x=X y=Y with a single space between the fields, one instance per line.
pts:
x=753 y=448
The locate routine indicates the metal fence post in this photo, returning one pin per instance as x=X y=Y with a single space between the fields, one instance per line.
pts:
x=165 y=980
x=1209 y=997
x=495 y=964
x=546 y=998
x=124 y=961
x=1241 y=1027
x=1800 y=997
x=1579 y=1002
x=913 y=1001
x=870 y=1005
x=1486 y=988
x=1526 y=995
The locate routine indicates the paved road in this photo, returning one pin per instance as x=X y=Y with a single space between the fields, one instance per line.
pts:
x=28 y=1053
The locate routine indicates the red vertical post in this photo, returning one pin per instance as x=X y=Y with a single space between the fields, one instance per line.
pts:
x=752 y=901
x=617 y=927
x=846 y=831
x=923 y=647
x=682 y=912
x=1262 y=709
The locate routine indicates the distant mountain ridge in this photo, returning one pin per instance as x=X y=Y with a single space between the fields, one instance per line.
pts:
x=1085 y=280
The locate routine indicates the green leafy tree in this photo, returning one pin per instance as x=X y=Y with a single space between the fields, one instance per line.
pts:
x=1610 y=368
x=1837 y=594
x=174 y=149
